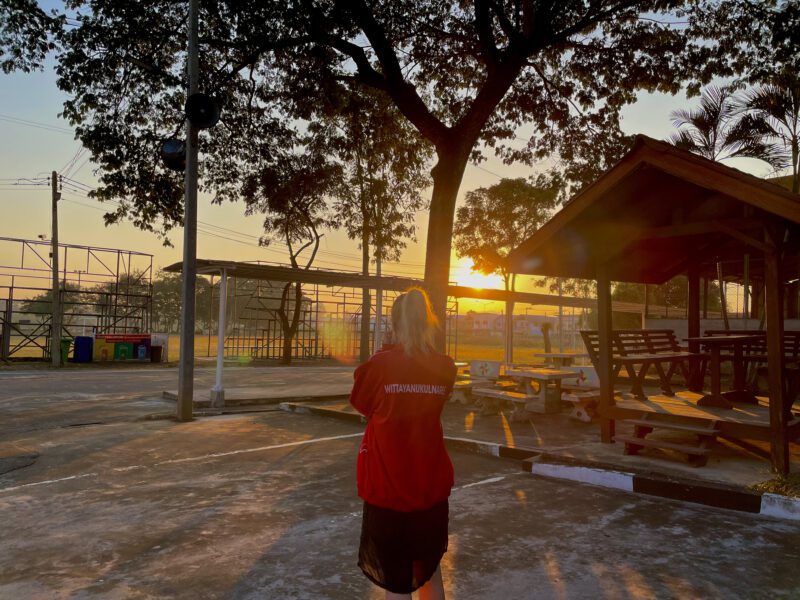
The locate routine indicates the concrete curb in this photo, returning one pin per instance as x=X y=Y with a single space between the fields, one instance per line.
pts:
x=608 y=476
x=202 y=404
x=321 y=410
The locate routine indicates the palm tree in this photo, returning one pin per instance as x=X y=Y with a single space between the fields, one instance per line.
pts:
x=773 y=110
x=718 y=131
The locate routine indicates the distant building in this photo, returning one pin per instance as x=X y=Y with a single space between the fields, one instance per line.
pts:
x=525 y=325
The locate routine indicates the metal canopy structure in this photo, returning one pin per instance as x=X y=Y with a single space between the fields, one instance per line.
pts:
x=105 y=290
x=660 y=212
x=265 y=272
x=264 y=333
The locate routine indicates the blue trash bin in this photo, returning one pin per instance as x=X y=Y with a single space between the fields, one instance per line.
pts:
x=84 y=348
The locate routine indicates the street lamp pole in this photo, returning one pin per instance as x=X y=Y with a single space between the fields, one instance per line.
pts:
x=186 y=366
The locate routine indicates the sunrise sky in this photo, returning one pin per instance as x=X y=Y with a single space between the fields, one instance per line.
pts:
x=35 y=142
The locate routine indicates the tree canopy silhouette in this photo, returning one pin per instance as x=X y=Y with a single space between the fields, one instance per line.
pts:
x=466 y=75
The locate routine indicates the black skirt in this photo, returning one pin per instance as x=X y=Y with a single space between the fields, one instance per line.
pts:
x=400 y=551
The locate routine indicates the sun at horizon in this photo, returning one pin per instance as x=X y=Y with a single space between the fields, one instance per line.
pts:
x=463 y=274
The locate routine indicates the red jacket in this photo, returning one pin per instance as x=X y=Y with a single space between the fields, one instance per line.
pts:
x=402 y=461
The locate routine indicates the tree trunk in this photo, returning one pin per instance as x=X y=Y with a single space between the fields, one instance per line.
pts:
x=287 y=350
x=447 y=175
x=366 y=298
x=290 y=327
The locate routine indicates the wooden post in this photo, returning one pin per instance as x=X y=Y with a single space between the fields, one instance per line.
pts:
x=605 y=374
x=779 y=442
x=705 y=297
x=756 y=299
x=693 y=322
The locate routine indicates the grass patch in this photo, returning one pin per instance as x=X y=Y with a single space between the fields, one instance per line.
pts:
x=785 y=485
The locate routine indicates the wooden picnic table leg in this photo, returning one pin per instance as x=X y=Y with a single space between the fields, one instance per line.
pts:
x=665 y=377
x=696 y=374
x=638 y=381
x=714 y=398
x=739 y=393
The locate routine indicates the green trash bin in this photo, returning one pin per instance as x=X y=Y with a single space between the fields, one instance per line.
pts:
x=65 y=346
x=123 y=351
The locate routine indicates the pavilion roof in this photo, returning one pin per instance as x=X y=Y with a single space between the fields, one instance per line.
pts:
x=656 y=212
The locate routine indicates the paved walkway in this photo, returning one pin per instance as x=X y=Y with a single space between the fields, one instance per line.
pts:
x=264 y=506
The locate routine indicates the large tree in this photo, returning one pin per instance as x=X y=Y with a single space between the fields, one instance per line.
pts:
x=467 y=75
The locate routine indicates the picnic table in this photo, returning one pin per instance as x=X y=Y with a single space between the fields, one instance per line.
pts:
x=538 y=391
x=542 y=388
x=739 y=393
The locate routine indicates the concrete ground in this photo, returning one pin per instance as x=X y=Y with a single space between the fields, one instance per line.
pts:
x=263 y=505
x=45 y=398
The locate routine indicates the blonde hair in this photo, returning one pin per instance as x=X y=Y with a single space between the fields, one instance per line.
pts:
x=413 y=322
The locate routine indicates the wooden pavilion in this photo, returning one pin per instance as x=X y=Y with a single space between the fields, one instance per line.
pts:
x=661 y=212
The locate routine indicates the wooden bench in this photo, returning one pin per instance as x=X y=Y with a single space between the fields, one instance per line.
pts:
x=697 y=450
x=639 y=350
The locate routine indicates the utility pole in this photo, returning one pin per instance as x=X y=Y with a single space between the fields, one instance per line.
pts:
x=186 y=368
x=55 y=320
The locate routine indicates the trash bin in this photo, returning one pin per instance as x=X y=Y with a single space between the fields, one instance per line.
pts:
x=123 y=351
x=83 y=349
x=65 y=345
x=103 y=350
x=141 y=350
x=155 y=353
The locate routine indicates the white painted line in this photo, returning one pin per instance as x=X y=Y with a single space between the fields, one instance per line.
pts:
x=48 y=481
x=187 y=459
x=781 y=507
x=259 y=449
x=609 y=479
x=482 y=482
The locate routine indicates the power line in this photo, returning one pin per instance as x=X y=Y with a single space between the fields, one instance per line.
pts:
x=356 y=259
x=77 y=189
x=36 y=124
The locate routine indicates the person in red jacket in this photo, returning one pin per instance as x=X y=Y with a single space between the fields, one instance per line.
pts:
x=404 y=473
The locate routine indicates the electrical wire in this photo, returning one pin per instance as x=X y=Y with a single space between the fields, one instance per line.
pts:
x=36 y=124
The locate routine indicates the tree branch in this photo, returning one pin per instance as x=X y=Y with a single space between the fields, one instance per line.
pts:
x=403 y=93
x=508 y=28
x=483 y=25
